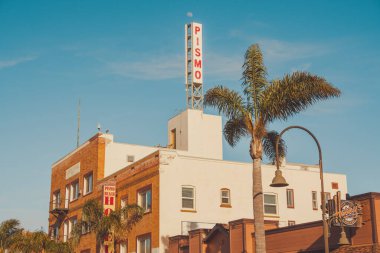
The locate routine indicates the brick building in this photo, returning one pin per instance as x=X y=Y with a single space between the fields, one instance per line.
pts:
x=184 y=186
x=238 y=236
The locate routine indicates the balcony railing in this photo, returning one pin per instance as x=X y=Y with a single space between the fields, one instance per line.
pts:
x=59 y=207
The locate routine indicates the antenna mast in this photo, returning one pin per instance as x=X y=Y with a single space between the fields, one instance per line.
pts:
x=193 y=66
x=78 y=130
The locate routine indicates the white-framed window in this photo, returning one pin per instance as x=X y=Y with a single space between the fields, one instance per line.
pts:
x=225 y=197
x=56 y=199
x=314 y=200
x=54 y=232
x=65 y=230
x=123 y=247
x=67 y=196
x=143 y=244
x=290 y=198
x=327 y=196
x=87 y=184
x=145 y=199
x=72 y=223
x=74 y=190
x=188 y=197
x=270 y=204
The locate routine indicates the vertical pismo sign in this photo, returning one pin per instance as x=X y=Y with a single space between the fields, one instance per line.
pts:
x=194 y=65
x=109 y=199
x=197 y=53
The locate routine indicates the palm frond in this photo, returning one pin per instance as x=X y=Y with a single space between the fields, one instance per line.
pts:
x=269 y=146
x=294 y=93
x=92 y=213
x=227 y=101
x=234 y=129
x=254 y=76
x=128 y=216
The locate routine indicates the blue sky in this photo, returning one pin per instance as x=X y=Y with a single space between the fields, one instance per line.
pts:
x=125 y=61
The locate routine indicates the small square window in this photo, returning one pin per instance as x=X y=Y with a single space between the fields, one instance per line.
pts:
x=335 y=185
x=145 y=200
x=291 y=223
x=130 y=158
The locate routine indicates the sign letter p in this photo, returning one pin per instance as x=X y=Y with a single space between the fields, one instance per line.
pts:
x=197 y=29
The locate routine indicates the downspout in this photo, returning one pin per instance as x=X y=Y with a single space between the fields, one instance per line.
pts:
x=244 y=238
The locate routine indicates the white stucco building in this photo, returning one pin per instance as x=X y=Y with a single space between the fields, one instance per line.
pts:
x=192 y=169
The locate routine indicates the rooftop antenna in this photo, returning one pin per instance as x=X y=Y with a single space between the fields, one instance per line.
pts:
x=78 y=129
x=98 y=126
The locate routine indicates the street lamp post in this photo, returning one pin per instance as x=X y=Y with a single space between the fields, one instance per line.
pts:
x=279 y=180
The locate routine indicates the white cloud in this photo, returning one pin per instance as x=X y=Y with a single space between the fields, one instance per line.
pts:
x=189 y=14
x=172 y=66
x=154 y=68
x=16 y=61
x=276 y=50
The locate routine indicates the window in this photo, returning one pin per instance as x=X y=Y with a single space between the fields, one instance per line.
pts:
x=335 y=185
x=327 y=196
x=173 y=139
x=225 y=197
x=270 y=204
x=74 y=190
x=124 y=202
x=143 y=244
x=291 y=223
x=67 y=196
x=87 y=184
x=130 y=158
x=72 y=223
x=188 y=199
x=290 y=198
x=314 y=200
x=65 y=230
x=123 y=247
x=145 y=199
x=56 y=199
x=54 y=232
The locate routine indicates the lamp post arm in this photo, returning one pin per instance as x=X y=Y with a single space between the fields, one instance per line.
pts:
x=323 y=199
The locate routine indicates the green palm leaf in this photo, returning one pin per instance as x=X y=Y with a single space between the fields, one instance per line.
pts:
x=294 y=93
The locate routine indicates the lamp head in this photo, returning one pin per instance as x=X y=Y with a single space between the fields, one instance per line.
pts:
x=278 y=180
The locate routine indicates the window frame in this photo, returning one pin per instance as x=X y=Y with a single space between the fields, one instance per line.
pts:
x=270 y=204
x=291 y=223
x=145 y=237
x=222 y=204
x=140 y=193
x=314 y=201
x=56 y=201
x=193 y=198
x=86 y=184
x=125 y=244
x=292 y=205
x=72 y=188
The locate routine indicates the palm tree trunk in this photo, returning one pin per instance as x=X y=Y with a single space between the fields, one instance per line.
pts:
x=258 y=207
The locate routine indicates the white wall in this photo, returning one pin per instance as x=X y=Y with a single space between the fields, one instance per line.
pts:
x=198 y=133
x=116 y=154
x=210 y=175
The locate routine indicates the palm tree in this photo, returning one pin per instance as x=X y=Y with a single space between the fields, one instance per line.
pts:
x=118 y=222
x=264 y=101
x=10 y=231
